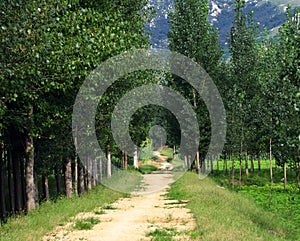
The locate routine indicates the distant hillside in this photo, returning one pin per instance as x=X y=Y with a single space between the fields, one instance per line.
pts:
x=268 y=14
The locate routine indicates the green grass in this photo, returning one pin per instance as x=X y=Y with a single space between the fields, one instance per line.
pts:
x=124 y=181
x=273 y=198
x=147 y=169
x=52 y=214
x=167 y=152
x=162 y=234
x=225 y=215
x=86 y=224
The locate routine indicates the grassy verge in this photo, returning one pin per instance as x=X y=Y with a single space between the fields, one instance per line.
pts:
x=51 y=214
x=224 y=215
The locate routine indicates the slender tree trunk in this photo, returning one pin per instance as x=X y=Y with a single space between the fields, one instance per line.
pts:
x=94 y=173
x=2 y=185
x=17 y=182
x=45 y=181
x=36 y=190
x=246 y=163
x=186 y=162
x=258 y=161
x=29 y=150
x=75 y=175
x=101 y=168
x=125 y=160
x=80 y=180
x=57 y=179
x=88 y=179
x=232 y=167
x=174 y=151
x=241 y=168
x=10 y=184
x=135 y=159
x=108 y=160
x=284 y=175
x=198 y=161
x=23 y=183
x=251 y=162
x=68 y=178
x=271 y=157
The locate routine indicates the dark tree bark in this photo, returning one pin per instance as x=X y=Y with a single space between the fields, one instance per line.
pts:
x=2 y=185
x=251 y=162
x=246 y=163
x=57 y=179
x=23 y=183
x=10 y=184
x=36 y=190
x=258 y=161
x=17 y=181
x=80 y=179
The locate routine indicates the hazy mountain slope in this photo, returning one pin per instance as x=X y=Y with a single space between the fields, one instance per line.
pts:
x=268 y=13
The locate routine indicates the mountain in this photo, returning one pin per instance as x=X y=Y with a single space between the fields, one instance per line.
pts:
x=268 y=14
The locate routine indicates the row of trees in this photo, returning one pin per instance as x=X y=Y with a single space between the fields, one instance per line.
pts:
x=259 y=83
x=48 y=48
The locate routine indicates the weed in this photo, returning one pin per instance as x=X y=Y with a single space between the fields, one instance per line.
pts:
x=86 y=224
x=99 y=212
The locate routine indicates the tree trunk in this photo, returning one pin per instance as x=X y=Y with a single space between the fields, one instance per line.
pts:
x=80 y=179
x=125 y=160
x=45 y=181
x=108 y=160
x=270 y=157
x=68 y=178
x=17 y=182
x=10 y=184
x=174 y=152
x=57 y=179
x=23 y=184
x=211 y=165
x=94 y=173
x=2 y=185
x=75 y=175
x=36 y=190
x=258 y=161
x=246 y=164
x=88 y=179
x=284 y=175
x=101 y=168
x=198 y=161
x=186 y=162
x=135 y=159
x=29 y=150
x=251 y=162
x=75 y=165
x=232 y=167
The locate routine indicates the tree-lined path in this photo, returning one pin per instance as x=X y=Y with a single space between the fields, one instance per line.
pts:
x=132 y=218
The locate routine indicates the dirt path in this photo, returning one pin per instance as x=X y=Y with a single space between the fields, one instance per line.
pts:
x=130 y=219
